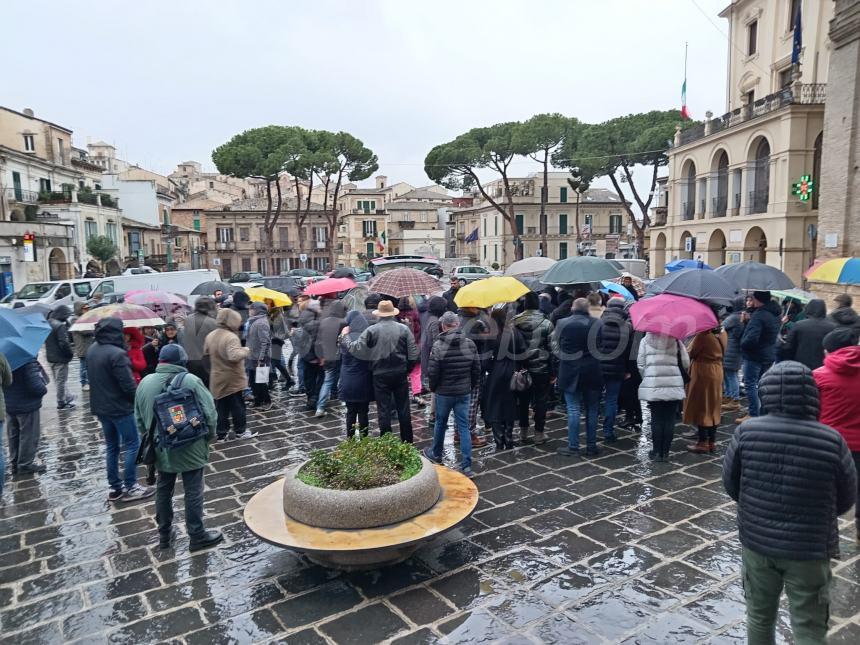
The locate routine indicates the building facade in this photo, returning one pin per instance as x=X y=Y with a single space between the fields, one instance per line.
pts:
x=729 y=190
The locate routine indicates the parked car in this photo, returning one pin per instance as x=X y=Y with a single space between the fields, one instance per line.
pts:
x=304 y=276
x=53 y=293
x=284 y=284
x=246 y=276
x=139 y=270
x=470 y=273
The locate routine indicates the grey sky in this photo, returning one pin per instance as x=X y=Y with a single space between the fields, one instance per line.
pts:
x=167 y=81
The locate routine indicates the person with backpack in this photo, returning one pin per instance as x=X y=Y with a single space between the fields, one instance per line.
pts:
x=59 y=352
x=187 y=459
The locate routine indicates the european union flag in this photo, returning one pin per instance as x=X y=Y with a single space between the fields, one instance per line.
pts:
x=798 y=38
x=472 y=237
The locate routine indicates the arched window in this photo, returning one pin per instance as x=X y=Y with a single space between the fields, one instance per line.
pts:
x=688 y=205
x=761 y=185
x=721 y=201
x=816 y=172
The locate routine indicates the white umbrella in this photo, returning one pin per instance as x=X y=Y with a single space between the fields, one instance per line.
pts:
x=530 y=266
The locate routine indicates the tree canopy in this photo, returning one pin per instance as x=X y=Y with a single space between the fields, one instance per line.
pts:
x=102 y=248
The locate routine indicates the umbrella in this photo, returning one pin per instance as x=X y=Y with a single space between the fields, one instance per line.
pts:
x=130 y=315
x=21 y=336
x=343 y=272
x=209 y=288
x=695 y=283
x=329 y=286
x=534 y=284
x=755 y=276
x=612 y=287
x=638 y=283
x=398 y=283
x=146 y=298
x=580 y=269
x=795 y=294
x=530 y=266
x=672 y=315
x=490 y=291
x=677 y=265
x=259 y=294
x=37 y=308
x=836 y=271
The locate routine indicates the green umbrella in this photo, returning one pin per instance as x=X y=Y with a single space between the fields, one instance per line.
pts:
x=580 y=269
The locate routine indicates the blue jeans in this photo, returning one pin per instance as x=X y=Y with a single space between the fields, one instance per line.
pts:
x=121 y=431
x=731 y=386
x=2 y=460
x=613 y=389
x=332 y=370
x=752 y=374
x=85 y=377
x=460 y=405
x=591 y=399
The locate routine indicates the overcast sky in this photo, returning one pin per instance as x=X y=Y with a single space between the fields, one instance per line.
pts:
x=166 y=81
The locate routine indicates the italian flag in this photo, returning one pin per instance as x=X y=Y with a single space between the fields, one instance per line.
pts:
x=380 y=242
x=685 y=114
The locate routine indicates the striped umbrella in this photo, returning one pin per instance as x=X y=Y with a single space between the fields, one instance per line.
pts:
x=130 y=315
x=836 y=271
x=398 y=283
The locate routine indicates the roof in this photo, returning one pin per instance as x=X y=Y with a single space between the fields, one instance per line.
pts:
x=367 y=191
x=261 y=204
x=35 y=118
x=200 y=204
x=138 y=224
x=424 y=193
x=415 y=206
x=102 y=144
x=600 y=195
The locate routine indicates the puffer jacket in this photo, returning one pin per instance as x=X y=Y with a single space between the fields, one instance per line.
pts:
x=259 y=340
x=112 y=383
x=790 y=475
x=197 y=327
x=758 y=344
x=734 y=328
x=572 y=342
x=25 y=389
x=58 y=346
x=658 y=364
x=436 y=306
x=838 y=383
x=226 y=355
x=454 y=367
x=616 y=342
x=537 y=334
x=389 y=346
x=804 y=342
x=845 y=317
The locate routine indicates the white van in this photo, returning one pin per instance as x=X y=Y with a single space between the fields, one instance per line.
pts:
x=53 y=293
x=180 y=282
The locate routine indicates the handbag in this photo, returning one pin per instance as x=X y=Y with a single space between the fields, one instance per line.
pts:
x=521 y=381
x=685 y=375
x=261 y=374
x=146 y=450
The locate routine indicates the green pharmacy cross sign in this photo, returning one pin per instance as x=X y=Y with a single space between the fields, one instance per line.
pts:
x=803 y=188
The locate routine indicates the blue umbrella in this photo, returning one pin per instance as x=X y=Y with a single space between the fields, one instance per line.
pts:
x=677 y=265
x=614 y=287
x=21 y=336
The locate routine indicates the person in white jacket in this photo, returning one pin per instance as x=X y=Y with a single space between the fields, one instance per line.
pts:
x=661 y=359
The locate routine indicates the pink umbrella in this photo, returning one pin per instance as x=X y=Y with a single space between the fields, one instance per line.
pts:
x=146 y=297
x=329 y=286
x=671 y=315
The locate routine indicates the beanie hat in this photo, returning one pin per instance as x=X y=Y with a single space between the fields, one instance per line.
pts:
x=260 y=306
x=173 y=354
x=762 y=296
x=839 y=338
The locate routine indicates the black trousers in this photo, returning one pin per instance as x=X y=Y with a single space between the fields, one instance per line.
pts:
x=392 y=396
x=192 y=482
x=314 y=377
x=232 y=405
x=200 y=369
x=662 y=425
x=357 y=412
x=707 y=434
x=537 y=396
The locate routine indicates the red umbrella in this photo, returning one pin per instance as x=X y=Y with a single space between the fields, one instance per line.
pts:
x=130 y=315
x=398 y=283
x=329 y=286
x=671 y=315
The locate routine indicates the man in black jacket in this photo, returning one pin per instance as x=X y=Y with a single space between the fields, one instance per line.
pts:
x=112 y=401
x=844 y=314
x=616 y=360
x=805 y=339
x=23 y=405
x=791 y=477
x=758 y=346
x=59 y=352
x=453 y=372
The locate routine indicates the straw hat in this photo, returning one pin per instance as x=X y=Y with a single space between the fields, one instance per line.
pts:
x=386 y=309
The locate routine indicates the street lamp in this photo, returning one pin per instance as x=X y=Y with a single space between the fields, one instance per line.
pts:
x=579 y=185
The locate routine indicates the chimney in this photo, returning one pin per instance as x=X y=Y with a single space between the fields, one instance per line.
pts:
x=28 y=112
x=381 y=182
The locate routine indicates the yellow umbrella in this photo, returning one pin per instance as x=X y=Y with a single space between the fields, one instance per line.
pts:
x=490 y=291
x=259 y=294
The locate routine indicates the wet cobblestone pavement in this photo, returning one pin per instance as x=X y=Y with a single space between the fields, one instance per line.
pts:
x=612 y=549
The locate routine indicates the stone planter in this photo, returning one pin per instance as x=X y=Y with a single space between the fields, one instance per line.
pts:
x=361 y=509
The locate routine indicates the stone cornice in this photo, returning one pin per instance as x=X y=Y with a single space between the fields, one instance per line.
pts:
x=845 y=25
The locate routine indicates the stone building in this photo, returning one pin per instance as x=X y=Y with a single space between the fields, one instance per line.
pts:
x=193 y=183
x=729 y=190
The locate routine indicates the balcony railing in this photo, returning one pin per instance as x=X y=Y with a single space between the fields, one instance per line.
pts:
x=225 y=246
x=22 y=196
x=533 y=232
x=368 y=211
x=801 y=94
x=688 y=210
x=758 y=201
x=720 y=205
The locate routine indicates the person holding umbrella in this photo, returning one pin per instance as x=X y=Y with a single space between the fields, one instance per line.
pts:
x=59 y=352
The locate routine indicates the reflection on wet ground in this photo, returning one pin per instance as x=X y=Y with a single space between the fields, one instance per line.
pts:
x=559 y=550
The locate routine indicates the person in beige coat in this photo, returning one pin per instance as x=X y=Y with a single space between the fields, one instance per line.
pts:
x=228 y=379
x=705 y=390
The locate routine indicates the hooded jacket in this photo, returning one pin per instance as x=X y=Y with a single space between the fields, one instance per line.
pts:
x=658 y=364
x=616 y=342
x=436 y=306
x=135 y=352
x=537 y=332
x=804 y=341
x=241 y=301
x=112 y=383
x=226 y=355
x=330 y=326
x=838 y=383
x=25 y=388
x=259 y=339
x=58 y=346
x=734 y=328
x=197 y=327
x=356 y=380
x=454 y=367
x=81 y=340
x=790 y=475
x=758 y=343
x=305 y=335
x=572 y=343
x=845 y=317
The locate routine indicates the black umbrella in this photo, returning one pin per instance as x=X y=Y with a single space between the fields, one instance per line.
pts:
x=698 y=284
x=343 y=272
x=209 y=288
x=580 y=269
x=755 y=276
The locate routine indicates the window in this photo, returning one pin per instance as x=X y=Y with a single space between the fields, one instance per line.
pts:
x=785 y=78
x=496 y=225
x=283 y=235
x=562 y=223
x=63 y=291
x=562 y=250
x=133 y=241
x=588 y=219
x=244 y=233
x=165 y=216
x=485 y=234
x=752 y=37
x=44 y=185
x=91 y=229
x=246 y=264
x=224 y=234
x=495 y=252
x=562 y=194
x=368 y=228
x=61 y=151
x=29 y=143
x=196 y=222
x=367 y=205
x=485 y=251
x=211 y=184
x=82 y=289
x=793 y=8
x=369 y=249
x=519 y=219
x=106 y=286
x=110 y=231
x=615 y=224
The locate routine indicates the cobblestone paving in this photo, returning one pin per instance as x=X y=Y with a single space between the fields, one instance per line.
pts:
x=613 y=549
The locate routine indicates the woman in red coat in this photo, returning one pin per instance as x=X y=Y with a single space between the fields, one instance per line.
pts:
x=135 y=340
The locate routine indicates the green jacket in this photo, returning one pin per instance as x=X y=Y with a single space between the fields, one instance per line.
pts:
x=193 y=456
x=5 y=381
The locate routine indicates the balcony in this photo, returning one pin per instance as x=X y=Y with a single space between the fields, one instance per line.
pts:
x=758 y=200
x=660 y=213
x=22 y=196
x=565 y=232
x=805 y=94
x=688 y=210
x=720 y=205
x=366 y=211
x=405 y=223
x=225 y=246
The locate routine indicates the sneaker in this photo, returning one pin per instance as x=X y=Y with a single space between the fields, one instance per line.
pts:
x=592 y=452
x=540 y=438
x=610 y=439
x=137 y=492
x=68 y=405
x=85 y=387
x=566 y=451
x=468 y=472
x=431 y=457
x=114 y=495
x=264 y=407
x=246 y=435
x=319 y=414
x=418 y=402
x=296 y=392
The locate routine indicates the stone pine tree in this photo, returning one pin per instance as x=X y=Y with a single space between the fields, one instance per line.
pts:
x=102 y=248
x=261 y=153
x=456 y=165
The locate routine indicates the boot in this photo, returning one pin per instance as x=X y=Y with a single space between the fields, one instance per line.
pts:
x=700 y=447
x=732 y=405
x=498 y=435
x=350 y=432
x=478 y=441
x=525 y=439
x=509 y=436
x=712 y=446
x=204 y=541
